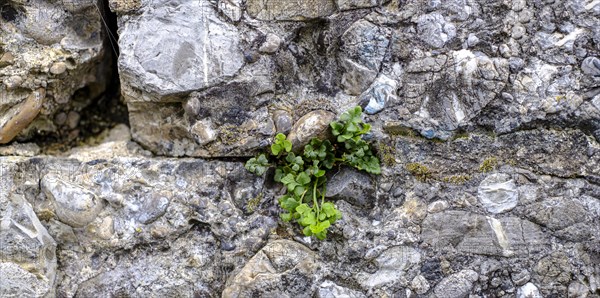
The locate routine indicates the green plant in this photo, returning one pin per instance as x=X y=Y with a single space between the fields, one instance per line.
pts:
x=304 y=174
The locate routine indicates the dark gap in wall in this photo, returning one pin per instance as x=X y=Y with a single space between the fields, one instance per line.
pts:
x=109 y=109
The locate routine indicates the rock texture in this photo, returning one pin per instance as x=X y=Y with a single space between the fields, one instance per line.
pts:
x=52 y=62
x=485 y=115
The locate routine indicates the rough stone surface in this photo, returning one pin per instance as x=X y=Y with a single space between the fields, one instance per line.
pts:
x=312 y=125
x=281 y=269
x=53 y=47
x=495 y=103
x=456 y=285
x=269 y=10
x=498 y=193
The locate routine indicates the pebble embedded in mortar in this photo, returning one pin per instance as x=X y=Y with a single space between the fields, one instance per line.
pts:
x=23 y=116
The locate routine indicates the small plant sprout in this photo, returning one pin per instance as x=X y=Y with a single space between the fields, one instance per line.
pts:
x=304 y=175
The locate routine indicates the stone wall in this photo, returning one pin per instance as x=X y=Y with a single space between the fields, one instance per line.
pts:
x=485 y=114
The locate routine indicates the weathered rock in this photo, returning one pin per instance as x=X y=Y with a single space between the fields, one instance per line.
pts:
x=315 y=124
x=363 y=48
x=187 y=54
x=330 y=289
x=529 y=290
x=382 y=91
x=271 y=44
x=473 y=233
x=39 y=43
x=268 y=10
x=74 y=205
x=354 y=4
x=231 y=8
x=456 y=285
x=434 y=30
x=420 y=285
x=282 y=268
x=498 y=193
x=124 y=6
x=591 y=66
x=392 y=266
x=352 y=186
x=28 y=252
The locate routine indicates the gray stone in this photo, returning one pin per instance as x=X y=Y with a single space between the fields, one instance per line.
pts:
x=354 y=4
x=38 y=41
x=559 y=212
x=529 y=290
x=187 y=54
x=283 y=121
x=231 y=8
x=74 y=205
x=392 y=265
x=28 y=252
x=58 y=68
x=363 y=48
x=473 y=233
x=456 y=285
x=521 y=277
x=278 y=262
x=498 y=193
x=268 y=10
x=434 y=30
x=271 y=44
x=382 y=91
x=353 y=186
x=578 y=290
x=420 y=285
x=329 y=289
x=591 y=66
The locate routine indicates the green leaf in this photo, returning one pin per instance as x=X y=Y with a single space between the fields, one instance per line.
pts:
x=320 y=173
x=286 y=216
x=329 y=209
x=299 y=190
x=257 y=165
x=287 y=145
x=306 y=231
x=288 y=203
x=309 y=218
x=322 y=235
x=322 y=216
x=287 y=179
x=278 y=175
x=280 y=143
x=303 y=208
x=303 y=178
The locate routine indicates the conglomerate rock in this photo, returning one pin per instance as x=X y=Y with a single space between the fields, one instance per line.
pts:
x=485 y=114
x=52 y=65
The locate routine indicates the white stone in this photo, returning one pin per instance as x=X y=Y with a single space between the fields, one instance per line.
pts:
x=529 y=290
x=498 y=193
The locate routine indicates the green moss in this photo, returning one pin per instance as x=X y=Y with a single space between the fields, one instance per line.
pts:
x=456 y=179
x=253 y=203
x=230 y=134
x=488 y=165
x=45 y=214
x=387 y=154
x=460 y=135
x=401 y=131
x=421 y=172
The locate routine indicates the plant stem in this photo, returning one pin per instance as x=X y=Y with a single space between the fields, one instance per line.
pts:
x=302 y=198
x=316 y=205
